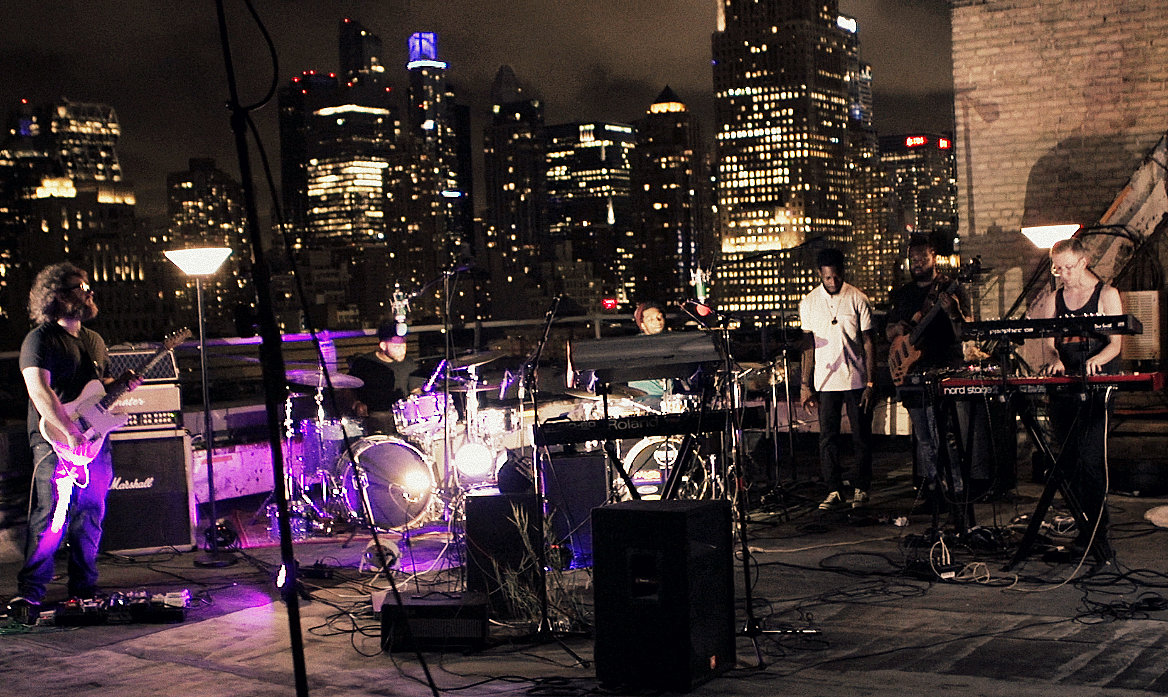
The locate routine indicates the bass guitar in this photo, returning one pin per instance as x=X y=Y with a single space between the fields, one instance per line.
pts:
x=91 y=412
x=905 y=350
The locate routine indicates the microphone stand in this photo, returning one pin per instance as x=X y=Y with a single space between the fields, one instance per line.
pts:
x=529 y=382
x=733 y=459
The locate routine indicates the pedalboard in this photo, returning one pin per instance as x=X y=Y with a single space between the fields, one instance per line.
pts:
x=132 y=607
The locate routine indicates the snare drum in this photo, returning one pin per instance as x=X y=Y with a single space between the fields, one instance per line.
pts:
x=400 y=483
x=421 y=413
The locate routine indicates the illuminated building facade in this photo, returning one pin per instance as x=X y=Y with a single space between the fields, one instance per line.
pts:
x=63 y=198
x=514 y=168
x=921 y=169
x=673 y=233
x=781 y=106
x=873 y=262
x=204 y=208
x=439 y=129
x=589 y=201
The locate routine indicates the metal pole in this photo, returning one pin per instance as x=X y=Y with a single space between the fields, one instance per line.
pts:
x=212 y=558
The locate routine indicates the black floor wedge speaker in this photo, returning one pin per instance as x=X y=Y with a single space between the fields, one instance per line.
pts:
x=150 y=506
x=664 y=594
x=499 y=561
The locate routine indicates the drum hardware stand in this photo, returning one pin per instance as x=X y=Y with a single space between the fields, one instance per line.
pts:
x=528 y=384
x=733 y=458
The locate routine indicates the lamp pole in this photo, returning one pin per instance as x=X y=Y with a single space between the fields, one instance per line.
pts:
x=199 y=263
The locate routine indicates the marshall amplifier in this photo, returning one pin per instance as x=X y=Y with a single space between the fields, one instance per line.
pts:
x=125 y=357
x=150 y=506
x=151 y=407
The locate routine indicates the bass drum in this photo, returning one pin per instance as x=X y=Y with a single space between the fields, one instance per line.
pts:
x=400 y=483
x=649 y=463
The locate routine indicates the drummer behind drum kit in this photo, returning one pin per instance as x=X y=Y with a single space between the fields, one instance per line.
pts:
x=433 y=456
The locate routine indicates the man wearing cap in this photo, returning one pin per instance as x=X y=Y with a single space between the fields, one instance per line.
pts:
x=389 y=376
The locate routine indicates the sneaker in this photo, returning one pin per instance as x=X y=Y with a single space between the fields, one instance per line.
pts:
x=833 y=500
x=23 y=610
x=859 y=499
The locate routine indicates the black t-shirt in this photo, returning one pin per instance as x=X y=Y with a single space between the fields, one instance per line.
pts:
x=72 y=361
x=386 y=383
x=938 y=346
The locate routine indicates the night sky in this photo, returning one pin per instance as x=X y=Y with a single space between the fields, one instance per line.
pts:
x=160 y=64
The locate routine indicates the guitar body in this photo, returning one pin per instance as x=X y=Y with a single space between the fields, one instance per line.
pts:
x=91 y=412
x=901 y=357
x=95 y=422
x=904 y=351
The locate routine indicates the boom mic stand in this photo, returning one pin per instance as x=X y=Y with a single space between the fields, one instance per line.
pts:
x=733 y=457
x=529 y=384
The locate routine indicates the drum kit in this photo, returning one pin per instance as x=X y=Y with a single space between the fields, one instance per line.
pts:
x=410 y=476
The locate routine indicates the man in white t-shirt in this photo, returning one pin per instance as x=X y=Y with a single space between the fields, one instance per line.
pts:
x=838 y=369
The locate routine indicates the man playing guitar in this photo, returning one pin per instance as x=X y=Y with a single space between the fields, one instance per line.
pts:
x=58 y=358
x=924 y=326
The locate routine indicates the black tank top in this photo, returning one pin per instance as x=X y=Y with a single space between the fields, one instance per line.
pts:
x=1074 y=351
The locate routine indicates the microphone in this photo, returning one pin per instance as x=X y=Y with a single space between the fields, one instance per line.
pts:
x=434 y=376
x=505 y=383
x=702 y=312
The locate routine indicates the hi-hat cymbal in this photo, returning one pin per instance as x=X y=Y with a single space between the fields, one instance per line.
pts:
x=314 y=378
x=476 y=359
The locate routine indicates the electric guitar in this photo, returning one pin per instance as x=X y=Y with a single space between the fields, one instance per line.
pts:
x=91 y=412
x=904 y=351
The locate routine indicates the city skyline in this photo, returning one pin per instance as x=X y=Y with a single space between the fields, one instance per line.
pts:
x=603 y=62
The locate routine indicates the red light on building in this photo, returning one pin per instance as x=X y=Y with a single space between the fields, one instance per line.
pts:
x=915 y=141
x=608 y=303
x=943 y=144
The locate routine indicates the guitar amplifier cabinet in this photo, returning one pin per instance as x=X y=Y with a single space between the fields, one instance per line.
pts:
x=151 y=506
x=123 y=358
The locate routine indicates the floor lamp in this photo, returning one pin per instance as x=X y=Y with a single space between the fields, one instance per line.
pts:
x=202 y=262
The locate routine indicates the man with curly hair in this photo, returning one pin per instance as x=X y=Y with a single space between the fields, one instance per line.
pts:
x=58 y=358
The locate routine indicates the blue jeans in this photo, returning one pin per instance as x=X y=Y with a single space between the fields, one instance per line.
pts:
x=831 y=406
x=61 y=513
x=932 y=445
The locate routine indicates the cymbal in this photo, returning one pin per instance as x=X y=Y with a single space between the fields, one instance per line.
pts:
x=476 y=359
x=314 y=378
x=474 y=387
x=625 y=391
x=582 y=394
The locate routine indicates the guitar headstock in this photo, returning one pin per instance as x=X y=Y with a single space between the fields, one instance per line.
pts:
x=172 y=341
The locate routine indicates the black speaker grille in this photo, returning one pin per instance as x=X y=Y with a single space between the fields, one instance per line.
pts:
x=165 y=370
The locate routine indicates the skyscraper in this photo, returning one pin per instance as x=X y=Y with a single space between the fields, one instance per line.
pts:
x=923 y=177
x=514 y=168
x=205 y=209
x=674 y=234
x=589 y=202
x=64 y=199
x=781 y=104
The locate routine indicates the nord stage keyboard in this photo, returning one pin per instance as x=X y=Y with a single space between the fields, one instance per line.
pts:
x=991 y=386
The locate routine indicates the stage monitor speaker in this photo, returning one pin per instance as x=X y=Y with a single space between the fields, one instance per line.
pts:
x=434 y=622
x=574 y=485
x=499 y=561
x=150 y=506
x=664 y=595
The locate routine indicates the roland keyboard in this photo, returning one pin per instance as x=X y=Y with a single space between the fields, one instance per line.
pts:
x=639 y=426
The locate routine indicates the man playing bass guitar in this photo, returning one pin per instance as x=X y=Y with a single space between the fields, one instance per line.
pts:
x=58 y=358
x=924 y=326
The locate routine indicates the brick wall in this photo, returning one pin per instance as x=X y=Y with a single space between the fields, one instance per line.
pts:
x=1057 y=103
